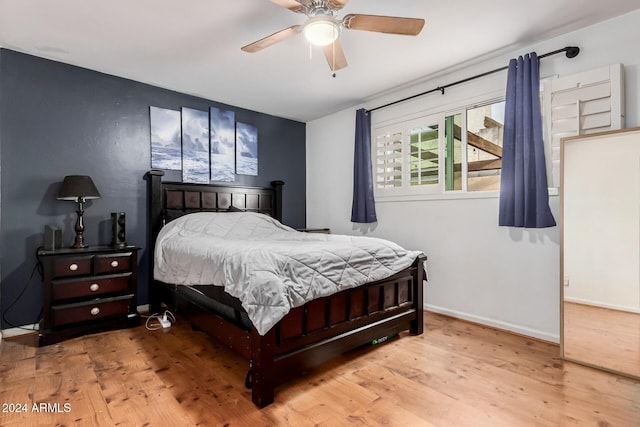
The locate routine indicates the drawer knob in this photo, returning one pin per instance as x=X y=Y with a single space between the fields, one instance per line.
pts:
x=95 y=311
x=94 y=287
x=73 y=267
x=114 y=264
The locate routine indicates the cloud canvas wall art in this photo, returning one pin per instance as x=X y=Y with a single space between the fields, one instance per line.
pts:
x=246 y=149
x=222 y=137
x=195 y=146
x=166 y=148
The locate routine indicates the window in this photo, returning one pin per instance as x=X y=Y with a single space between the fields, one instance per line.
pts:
x=441 y=153
x=461 y=151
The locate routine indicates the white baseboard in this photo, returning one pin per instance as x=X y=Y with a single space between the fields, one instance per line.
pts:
x=24 y=330
x=603 y=305
x=541 y=335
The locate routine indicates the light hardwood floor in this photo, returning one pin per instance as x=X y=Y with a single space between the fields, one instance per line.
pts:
x=456 y=374
x=602 y=337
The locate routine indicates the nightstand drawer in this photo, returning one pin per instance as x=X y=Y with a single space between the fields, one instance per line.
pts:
x=88 y=287
x=72 y=266
x=91 y=310
x=112 y=263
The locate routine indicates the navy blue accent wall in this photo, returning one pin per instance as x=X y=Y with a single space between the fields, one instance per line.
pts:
x=57 y=120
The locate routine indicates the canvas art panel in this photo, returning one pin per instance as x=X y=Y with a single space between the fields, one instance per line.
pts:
x=195 y=146
x=246 y=149
x=222 y=140
x=166 y=147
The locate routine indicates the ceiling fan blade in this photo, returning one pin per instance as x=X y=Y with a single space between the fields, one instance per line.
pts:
x=384 y=24
x=338 y=4
x=272 y=39
x=335 y=56
x=292 y=5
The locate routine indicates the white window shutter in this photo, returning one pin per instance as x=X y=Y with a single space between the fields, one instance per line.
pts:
x=581 y=103
x=389 y=157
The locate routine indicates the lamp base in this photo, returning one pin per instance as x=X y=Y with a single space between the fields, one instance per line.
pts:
x=79 y=242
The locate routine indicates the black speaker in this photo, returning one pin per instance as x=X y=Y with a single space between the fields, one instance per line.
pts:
x=117 y=229
x=52 y=238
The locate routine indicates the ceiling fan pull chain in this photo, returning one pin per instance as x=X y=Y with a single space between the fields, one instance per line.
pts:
x=333 y=65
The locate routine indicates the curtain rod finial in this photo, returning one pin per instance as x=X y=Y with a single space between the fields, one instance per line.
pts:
x=572 y=51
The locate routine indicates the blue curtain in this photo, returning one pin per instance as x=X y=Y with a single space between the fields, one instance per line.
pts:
x=524 y=197
x=363 y=209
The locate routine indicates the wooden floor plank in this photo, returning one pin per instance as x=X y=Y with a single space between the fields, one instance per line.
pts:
x=456 y=374
x=384 y=412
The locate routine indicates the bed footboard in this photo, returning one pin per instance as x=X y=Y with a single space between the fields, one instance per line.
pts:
x=327 y=327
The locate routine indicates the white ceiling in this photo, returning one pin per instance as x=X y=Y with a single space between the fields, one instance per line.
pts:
x=193 y=46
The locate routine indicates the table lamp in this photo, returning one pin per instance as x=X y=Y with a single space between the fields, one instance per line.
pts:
x=78 y=188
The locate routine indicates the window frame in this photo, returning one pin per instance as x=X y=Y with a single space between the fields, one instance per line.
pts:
x=406 y=192
x=463 y=140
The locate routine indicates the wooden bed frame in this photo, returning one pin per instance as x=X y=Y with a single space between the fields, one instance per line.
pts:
x=307 y=335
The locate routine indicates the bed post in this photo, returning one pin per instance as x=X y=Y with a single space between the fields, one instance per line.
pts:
x=262 y=358
x=417 y=325
x=277 y=205
x=154 y=224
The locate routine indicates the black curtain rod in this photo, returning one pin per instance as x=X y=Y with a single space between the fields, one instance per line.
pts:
x=571 y=52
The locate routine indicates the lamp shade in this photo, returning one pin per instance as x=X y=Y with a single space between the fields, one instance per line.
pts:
x=321 y=30
x=75 y=187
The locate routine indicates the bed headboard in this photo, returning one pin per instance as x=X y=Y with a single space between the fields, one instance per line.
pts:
x=167 y=201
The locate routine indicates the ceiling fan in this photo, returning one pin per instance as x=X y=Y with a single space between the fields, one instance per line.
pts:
x=322 y=28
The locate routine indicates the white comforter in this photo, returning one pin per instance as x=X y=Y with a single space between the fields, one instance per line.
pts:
x=268 y=266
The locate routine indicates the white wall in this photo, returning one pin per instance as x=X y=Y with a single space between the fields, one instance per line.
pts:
x=503 y=277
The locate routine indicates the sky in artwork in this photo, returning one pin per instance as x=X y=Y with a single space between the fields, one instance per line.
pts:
x=165 y=127
x=222 y=131
x=247 y=140
x=195 y=130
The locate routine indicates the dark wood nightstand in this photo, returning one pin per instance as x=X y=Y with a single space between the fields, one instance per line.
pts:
x=88 y=290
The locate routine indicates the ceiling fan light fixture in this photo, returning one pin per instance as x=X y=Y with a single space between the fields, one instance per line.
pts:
x=321 y=30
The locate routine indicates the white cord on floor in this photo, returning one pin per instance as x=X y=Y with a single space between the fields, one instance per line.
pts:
x=160 y=321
